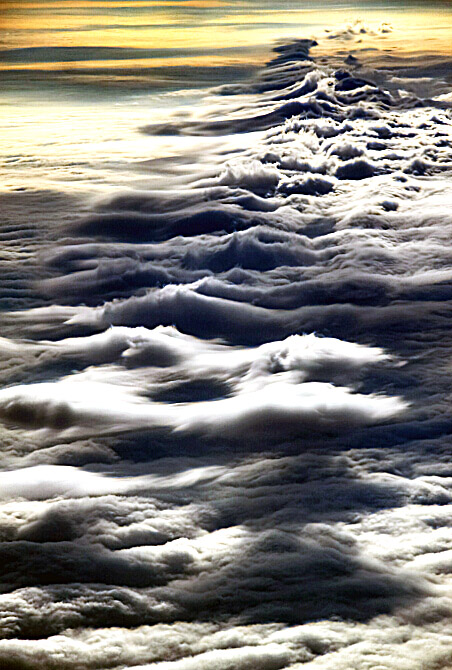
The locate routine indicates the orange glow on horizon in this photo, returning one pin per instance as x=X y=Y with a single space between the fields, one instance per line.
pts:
x=137 y=63
x=166 y=26
x=116 y=4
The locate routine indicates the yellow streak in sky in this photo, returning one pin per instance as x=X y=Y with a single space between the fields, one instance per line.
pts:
x=85 y=4
x=80 y=23
x=182 y=37
x=137 y=63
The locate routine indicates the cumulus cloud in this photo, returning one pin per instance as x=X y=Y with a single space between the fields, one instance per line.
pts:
x=357 y=29
x=270 y=390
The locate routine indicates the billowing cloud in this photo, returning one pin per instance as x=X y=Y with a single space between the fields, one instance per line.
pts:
x=225 y=403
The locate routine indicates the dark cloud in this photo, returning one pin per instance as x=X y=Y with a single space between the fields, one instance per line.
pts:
x=61 y=54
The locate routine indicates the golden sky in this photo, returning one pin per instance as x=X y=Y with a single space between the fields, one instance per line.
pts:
x=205 y=31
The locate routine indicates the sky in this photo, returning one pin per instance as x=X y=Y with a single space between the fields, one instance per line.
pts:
x=87 y=34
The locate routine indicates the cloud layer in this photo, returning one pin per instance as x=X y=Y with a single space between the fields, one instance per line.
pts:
x=225 y=405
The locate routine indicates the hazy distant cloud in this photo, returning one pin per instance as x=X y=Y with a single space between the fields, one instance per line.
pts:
x=51 y=54
x=357 y=29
